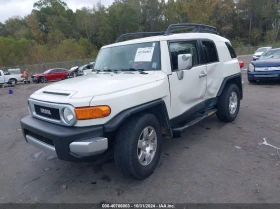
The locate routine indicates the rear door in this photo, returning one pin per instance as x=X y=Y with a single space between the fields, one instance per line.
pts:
x=53 y=75
x=211 y=59
x=60 y=74
x=2 y=80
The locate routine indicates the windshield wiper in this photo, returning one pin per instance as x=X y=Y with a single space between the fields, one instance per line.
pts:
x=141 y=71
x=107 y=70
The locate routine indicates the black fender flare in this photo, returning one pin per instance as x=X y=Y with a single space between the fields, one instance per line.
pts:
x=237 y=79
x=156 y=107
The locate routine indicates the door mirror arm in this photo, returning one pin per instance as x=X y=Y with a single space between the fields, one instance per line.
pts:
x=184 y=63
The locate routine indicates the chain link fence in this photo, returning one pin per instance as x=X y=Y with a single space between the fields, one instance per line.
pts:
x=40 y=68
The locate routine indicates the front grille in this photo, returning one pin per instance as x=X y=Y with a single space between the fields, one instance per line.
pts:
x=40 y=138
x=47 y=112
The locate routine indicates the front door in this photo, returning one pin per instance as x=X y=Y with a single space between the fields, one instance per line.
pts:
x=187 y=94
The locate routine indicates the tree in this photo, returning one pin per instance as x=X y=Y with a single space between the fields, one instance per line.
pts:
x=86 y=23
x=200 y=11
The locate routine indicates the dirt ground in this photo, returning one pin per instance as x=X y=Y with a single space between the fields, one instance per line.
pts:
x=212 y=162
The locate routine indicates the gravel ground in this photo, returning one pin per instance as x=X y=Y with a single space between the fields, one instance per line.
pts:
x=212 y=162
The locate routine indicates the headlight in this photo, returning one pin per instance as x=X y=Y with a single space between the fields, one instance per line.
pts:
x=251 y=68
x=273 y=68
x=68 y=115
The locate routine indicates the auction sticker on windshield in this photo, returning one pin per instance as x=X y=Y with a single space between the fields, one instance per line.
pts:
x=144 y=54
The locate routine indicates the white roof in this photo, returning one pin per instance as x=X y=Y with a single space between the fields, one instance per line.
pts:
x=180 y=36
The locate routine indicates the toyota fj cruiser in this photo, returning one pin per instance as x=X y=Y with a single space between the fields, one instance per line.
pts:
x=140 y=91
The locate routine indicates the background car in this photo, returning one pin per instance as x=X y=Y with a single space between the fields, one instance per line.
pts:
x=260 y=51
x=51 y=75
x=267 y=67
x=85 y=69
x=82 y=70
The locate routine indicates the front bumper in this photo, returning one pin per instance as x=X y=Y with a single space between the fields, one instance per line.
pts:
x=67 y=143
x=264 y=75
x=34 y=78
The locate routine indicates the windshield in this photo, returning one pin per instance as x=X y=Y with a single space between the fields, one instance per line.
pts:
x=272 y=54
x=262 y=50
x=142 y=56
x=46 y=72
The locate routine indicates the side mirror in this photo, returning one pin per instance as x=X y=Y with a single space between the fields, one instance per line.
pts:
x=184 y=63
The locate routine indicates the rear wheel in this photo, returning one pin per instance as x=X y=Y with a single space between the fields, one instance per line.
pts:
x=138 y=146
x=229 y=103
x=13 y=81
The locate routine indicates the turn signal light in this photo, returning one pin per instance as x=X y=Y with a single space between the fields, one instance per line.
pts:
x=86 y=113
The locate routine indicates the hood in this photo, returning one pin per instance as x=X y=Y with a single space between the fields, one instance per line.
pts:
x=39 y=74
x=101 y=84
x=267 y=63
x=258 y=53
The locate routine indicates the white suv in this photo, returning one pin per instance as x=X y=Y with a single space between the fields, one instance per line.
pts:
x=141 y=90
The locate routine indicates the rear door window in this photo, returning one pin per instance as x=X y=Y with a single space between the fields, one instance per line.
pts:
x=210 y=51
x=231 y=50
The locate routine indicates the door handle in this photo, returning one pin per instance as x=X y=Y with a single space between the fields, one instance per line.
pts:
x=202 y=75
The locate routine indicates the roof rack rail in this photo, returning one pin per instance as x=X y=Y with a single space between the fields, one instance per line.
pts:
x=139 y=34
x=198 y=28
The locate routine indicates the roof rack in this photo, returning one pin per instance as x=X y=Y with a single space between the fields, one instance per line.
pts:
x=139 y=34
x=198 y=28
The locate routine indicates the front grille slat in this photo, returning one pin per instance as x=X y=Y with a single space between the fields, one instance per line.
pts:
x=47 y=112
x=40 y=138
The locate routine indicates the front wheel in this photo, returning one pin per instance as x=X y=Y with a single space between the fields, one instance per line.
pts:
x=228 y=104
x=138 y=146
x=43 y=80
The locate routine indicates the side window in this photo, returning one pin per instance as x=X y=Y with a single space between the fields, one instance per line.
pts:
x=183 y=47
x=210 y=51
x=231 y=51
x=0 y=74
x=54 y=71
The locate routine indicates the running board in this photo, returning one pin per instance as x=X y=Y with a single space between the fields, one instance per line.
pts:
x=195 y=121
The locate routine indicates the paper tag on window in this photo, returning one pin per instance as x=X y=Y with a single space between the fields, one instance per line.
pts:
x=144 y=54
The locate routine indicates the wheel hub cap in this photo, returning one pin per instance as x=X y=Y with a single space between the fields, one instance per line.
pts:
x=147 y=145
x=233 y=103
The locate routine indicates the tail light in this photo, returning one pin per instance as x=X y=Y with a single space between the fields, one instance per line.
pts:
x=241 y=64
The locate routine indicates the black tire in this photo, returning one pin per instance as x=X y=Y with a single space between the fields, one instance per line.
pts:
x=126 y=147
x=43 y=80
x=12 y=80
x=223 y=109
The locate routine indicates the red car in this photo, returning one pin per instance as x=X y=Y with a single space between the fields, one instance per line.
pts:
x=51 y=75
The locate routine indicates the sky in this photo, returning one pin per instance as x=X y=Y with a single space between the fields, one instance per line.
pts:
x=10 y=8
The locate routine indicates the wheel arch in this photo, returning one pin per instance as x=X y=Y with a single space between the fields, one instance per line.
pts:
x=157 y=108
x=233 y=79
x=13 y=79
